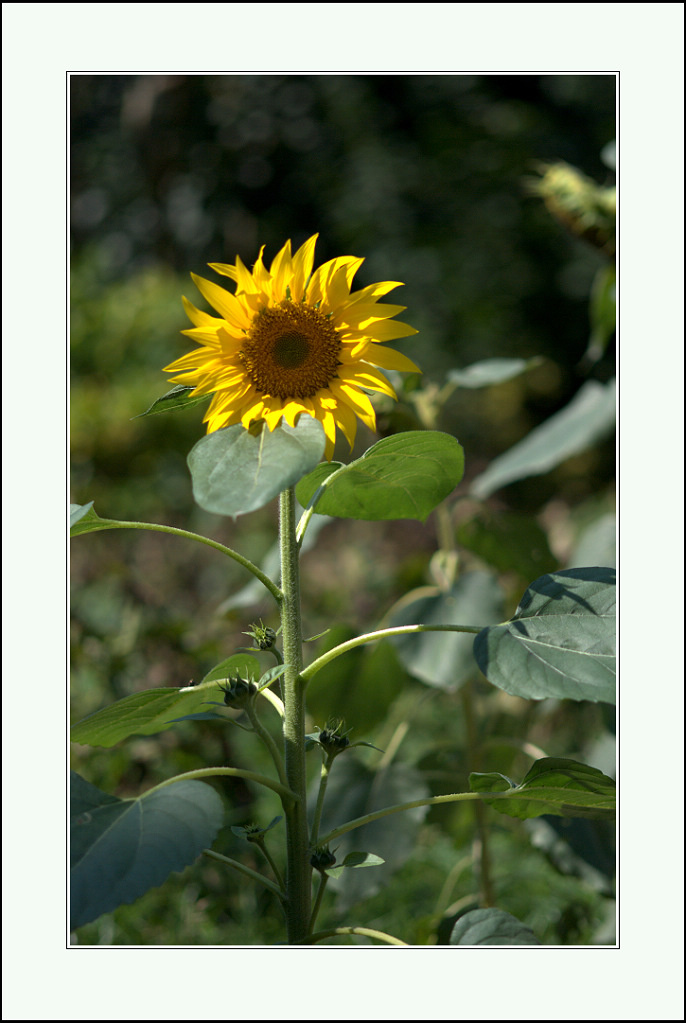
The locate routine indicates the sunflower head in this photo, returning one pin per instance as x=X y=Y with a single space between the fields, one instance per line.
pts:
x=291 y=342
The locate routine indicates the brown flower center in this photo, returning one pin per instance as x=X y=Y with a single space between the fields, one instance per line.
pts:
x=291 y=351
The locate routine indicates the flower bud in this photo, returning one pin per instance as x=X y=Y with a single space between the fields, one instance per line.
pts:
x=238 y=693
x=322 y=858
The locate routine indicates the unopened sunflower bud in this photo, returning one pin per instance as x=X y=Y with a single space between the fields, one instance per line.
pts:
x=264 y=636
x=322 y=858
x=333 y=738
x=238 y=693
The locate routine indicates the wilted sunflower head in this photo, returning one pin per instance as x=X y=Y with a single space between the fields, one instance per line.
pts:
x=291 y=341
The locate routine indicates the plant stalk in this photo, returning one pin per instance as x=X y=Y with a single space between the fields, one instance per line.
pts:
x=298 y=870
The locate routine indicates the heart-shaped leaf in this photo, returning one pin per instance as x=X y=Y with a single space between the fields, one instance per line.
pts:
x=235 y=471
x=401 y=477
x=560 y=642
x=122 y=847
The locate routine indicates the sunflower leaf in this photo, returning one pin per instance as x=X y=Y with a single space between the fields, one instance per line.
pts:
x=560 y=642
x=401 y=477
x=235 y=471
x=174 y=401
x=491 y=927
x=144 y=713
x=122 y=847
x=553 y=785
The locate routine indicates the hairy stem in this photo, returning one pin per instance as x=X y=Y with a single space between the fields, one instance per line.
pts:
x=299 y=871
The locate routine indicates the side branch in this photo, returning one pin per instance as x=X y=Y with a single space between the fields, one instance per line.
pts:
x=286 y=794
x=454 y=797
x=371 y=637
x=268 y=583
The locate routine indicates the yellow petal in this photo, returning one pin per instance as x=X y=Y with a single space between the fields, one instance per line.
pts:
x=362 y=314
x=384 y=330
x=388 y=358
x=374 y=291
x=226 y=269
x=223 y=301
x=347 y=421
x=303 y=260
x=357 y=400
x=364 y=375
x=281 y=271
x=197 y=316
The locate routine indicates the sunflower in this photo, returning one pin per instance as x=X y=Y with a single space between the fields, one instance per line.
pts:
x=292 y=342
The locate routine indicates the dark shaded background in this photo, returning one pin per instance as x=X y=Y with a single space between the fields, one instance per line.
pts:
x=422 y=174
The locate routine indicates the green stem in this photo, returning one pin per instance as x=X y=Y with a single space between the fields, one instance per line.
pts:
x=299 y=870
x=387 y=939
x=262 y=846
x=266 y=738
x=454 y=797
x=155 y=527
x=318 y=901
x=323 y=782
x=288 y=796
x=253 y=874
x=372 y=637
x=473 y=758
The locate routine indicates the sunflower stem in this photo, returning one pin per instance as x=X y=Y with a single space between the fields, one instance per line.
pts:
x=299 y=870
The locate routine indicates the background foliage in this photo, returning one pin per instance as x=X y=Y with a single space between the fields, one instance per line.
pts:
x=425 y=176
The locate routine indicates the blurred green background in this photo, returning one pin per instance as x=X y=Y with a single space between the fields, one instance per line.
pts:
x=425 y=176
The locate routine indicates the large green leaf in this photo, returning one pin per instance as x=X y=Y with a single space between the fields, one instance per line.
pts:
x=401 y=477
x=122 y=847
x=491 y=371
x=589 y=417
x=146 y=713
x=155 y=710
x=446 y=659
x=556 y=786
x=235 y=471
x=491 y=927
x=560 y=642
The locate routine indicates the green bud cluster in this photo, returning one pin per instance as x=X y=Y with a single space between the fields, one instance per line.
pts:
x=322 y=858
x=264 y=636
x=238 y=692
x=333 y=738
